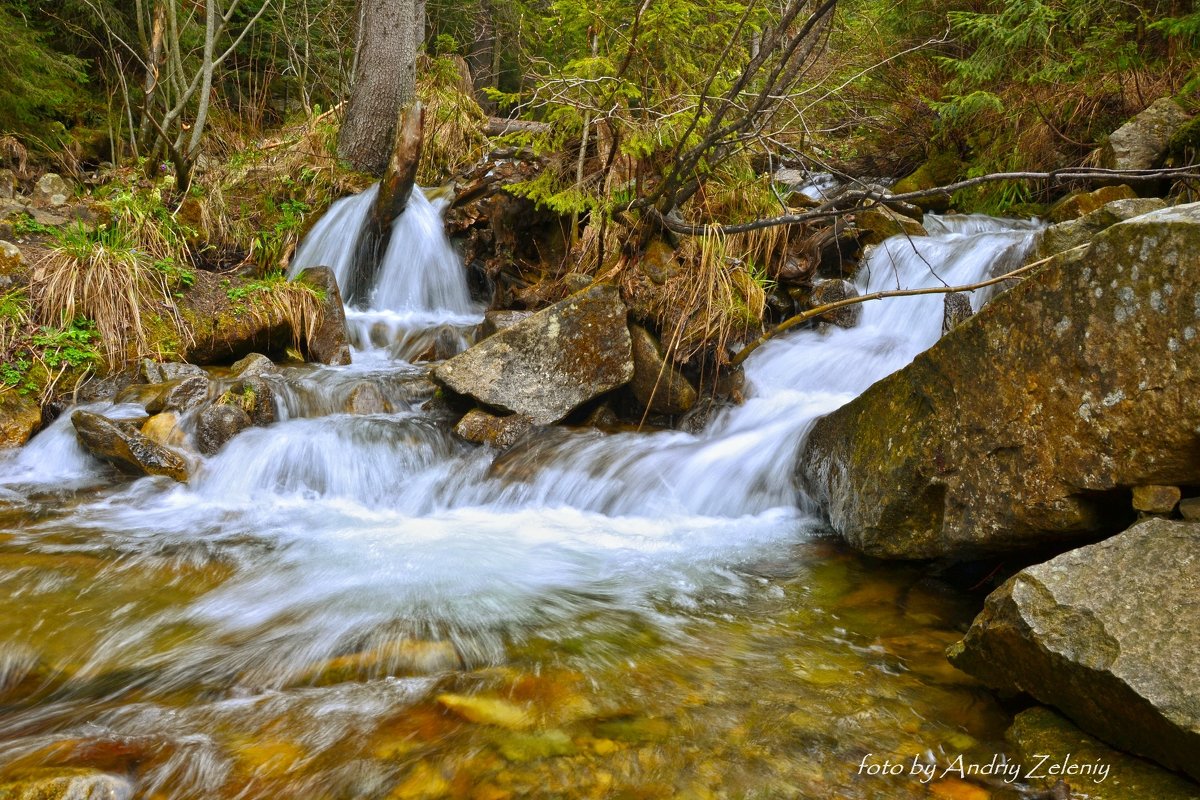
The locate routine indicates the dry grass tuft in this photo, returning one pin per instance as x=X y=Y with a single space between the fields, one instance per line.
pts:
x=454 y=122
x=102 y=277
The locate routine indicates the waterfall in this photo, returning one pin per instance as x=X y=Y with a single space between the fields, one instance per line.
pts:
x=419 y=304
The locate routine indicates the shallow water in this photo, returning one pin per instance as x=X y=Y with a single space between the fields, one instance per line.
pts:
x=361 y=605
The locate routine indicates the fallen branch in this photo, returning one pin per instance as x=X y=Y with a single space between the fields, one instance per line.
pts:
x=849 y=201
x=792 y=322
x=498 y=126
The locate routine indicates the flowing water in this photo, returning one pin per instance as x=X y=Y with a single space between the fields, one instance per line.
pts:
x=347 y=605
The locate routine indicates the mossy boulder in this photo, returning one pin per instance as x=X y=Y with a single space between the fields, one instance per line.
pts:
x=229 y=318
x=1142 y=142
x=940 y=170
x=1076 y=204
x=1028 y=424
x=550 y=363
x=1108 y=634
x=20 y=416
x=879 y=222
x=1077 y=232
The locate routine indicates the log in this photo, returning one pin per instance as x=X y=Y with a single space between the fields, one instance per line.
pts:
x=395 y=187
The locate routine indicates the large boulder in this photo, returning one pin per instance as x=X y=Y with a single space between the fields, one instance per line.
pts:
x=1030 y=422
x=549 y=364
x=230 y=318
x=1109 y=634
x=126 y=448
x=1078 y=232
x=1142 y=142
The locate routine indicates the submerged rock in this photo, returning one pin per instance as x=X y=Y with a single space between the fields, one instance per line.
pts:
x=1109 y=634
x=551 y=363
x=657 y=385
x=128 y=450
x=1030 y=422
x=66 y=784
x=20 y=416
x=1038 y=736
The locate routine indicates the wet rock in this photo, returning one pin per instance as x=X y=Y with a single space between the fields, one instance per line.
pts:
x=20 y=416
x=1156 y=499
x=51 y=191
x=956 y=310
x=1142 y=142
x=366 y=398
x=253 y=365
x=254 y=396
x=217 y=424
x=879 y=222
x=1005 y=434
x=494 y=321
x=164 y=429
x=161 y=372
x=181 y=395
x=833 y=291
x=1066 y=235
x=480 y=427
x=1108 y=634
x=1039 y=732
x=66 y=784
x=487 y=711
x=328 y=343
x=1076 y=204
x=1189 y=509
x=551 y=363
x=127 y=450
x=657 y=385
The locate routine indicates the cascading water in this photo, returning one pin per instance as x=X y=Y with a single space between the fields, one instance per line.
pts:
x=311 y=539
x=420 y=297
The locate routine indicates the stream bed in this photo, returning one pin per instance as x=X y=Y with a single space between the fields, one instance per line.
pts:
x=361 y=605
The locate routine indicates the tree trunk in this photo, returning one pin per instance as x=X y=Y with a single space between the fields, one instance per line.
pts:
x=483 y=56
x=394 y=190
x=384 y=82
